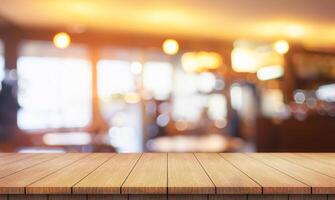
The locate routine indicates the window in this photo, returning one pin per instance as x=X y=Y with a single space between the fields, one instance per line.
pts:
x=116 y=83
x=54 y=87
x=157 y=79
x=114 y=77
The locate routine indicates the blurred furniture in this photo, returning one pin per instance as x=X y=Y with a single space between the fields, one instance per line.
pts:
x=314 y=134
x=189 y=143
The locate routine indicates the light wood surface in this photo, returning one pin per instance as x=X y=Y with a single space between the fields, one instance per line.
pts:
x=198 y=176
x=320 y=183
x=148 y=176
x=11 y=185
x=323 y=168
x=61 y=182
x=321 y=157
x=109 y=177
x=186 y=175
x=227 y=178
x=11 y=168
x=12 y=157
x=272 y=180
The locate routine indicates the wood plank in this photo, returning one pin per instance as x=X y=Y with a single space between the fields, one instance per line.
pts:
x=148 y=176
x=331 y=197
x=109 y=177
x=268 y=197
x=67 y=197
x=323 y=168
x=227 y=178
x=27 y=197
x=186 y=176
x=321 y=157
x=272 y=181
x=62 y=181
x=13 y=157
x=11 y=185
x=308 y=197
x=188 y=197
x=107 y=197
x=147 y=197
x=227 y=197
x=321 y=184
x=17 y=166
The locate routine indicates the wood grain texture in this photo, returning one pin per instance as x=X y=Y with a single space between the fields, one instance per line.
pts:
x=62 y=181
x=147 y=197
x=67 y=197
x=11 y=168
x=27 y=197
x=149 y=176
x=268 y=197
x=308 y=197
x=186 y=175
x=13 y=157
x=309 y=163
x=107 y=197
x=227 y=197
x=272 y=181
x=188 y=197
x=11 y=185
x=321 y=184
x=109 y=177
x=321 y=157
x=227 y=178
x=168 y=176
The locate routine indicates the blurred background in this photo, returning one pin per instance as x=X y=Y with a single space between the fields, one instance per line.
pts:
x=167 y=76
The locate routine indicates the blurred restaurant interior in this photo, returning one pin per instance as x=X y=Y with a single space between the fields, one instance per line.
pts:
x=167 y=76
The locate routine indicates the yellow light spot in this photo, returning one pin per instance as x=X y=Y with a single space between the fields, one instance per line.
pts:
x=170 y=47
x=132 y=98
x=200 y=61
x=62 y=40
x=281 y=47
x=244 y=60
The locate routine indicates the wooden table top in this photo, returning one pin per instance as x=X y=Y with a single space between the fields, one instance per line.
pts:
x=167 y=173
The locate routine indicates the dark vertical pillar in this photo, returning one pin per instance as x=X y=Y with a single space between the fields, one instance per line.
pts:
x=11 y=39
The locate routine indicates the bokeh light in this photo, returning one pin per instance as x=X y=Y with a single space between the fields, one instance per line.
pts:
x=62 y=40
x=281 y=46
x=170 y=47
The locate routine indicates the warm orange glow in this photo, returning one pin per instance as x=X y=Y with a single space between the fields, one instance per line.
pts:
x=170 y=47
x=201 y=61
x=281 y=47
x=243 y=60
x=62 y=40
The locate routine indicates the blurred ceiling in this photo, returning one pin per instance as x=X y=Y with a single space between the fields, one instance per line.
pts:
x=311 y=22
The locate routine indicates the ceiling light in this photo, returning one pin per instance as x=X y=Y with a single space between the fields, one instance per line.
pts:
x=62 y=40
x=170 y=47
x=281 y=47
